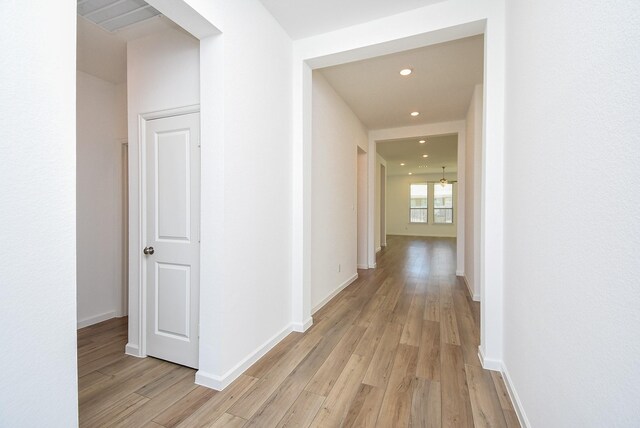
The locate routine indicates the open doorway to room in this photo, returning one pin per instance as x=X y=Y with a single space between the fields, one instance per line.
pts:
x=382 y=204
x=414 y=107
x=363 y=208
x=138 y=175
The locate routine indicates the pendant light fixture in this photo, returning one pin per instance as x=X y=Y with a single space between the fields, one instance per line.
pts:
x=443 y=181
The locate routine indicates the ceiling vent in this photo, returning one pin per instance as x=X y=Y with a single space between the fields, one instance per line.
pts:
x=113 y=15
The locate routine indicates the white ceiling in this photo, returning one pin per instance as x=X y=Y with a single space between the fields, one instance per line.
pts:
x=440 y=87
x=104 y=54
x=304 y=18
x=442 y=151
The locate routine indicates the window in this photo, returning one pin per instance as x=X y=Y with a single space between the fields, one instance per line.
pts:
x=443 y=203
x=419 y=206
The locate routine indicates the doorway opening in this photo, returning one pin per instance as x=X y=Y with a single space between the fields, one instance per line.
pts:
x=362 y=209
x=335 y=57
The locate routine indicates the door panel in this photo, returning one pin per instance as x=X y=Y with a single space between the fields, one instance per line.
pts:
x=173 y=185
x=173 y=286
x=172 y=156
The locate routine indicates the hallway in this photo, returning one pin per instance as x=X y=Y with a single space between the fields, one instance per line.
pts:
x=397 y=348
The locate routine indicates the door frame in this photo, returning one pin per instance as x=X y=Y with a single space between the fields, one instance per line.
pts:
x=375 y=38
x=142 y=214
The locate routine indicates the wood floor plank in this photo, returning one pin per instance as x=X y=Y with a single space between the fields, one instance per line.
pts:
x=90 y=379
x=370 y=310
x=160 y=401
x=185 y=407
x=264 y=364
x=382 y=360
x=429 y=352
x=413 y=326
x=219 y=404
x=372 y=335
x=326 y=376
x=365 y=407
x=456 y=404
x=432 y=303
x=118 y=390
x=124 y=407
x=511 y=418
x=448 y=322
x=303 y=411
x=484 y=399
x=261 y=390
x=276 y=406
x=229 y=421
x=153 y=389
x=469 y=332
x=501 y=389
x=395 y=409
x=426 y=404
x=337 y=403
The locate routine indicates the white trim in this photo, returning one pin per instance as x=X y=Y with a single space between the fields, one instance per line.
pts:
x=515 y=399
x=178 y=111
x=373 y=266
x=378 y=249
x=423 y=236
x=459 y=273
x=134 y=351
x=384 y=244
x=487 y=363
x=362 y=266
x=220 y=382
x=302 y=327
x=334 y=293
x=474 y=296
x=98 y=318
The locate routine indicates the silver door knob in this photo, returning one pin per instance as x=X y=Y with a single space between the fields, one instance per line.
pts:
x=148 y=250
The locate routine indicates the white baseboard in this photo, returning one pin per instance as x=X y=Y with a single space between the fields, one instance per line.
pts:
x=362 y=266
x=474 y=296
x=373 y=266
x=378 y=249
x=517 y=404
x=98 y=318
x=459 y=273
x=384 y=244
x=221 y=382
x=133 y=350
x=334 y=293
x=301 y=328
x=488 y=363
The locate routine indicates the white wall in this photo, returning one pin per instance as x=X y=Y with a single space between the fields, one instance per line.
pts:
x=337 y=134
x=472 y=196
x=398 y=190
x=37 y=214
x=100 y=131
x=162 y=73
x=571 y=298
x=246 y=97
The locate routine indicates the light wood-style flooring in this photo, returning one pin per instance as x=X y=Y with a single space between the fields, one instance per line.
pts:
x=397 y=348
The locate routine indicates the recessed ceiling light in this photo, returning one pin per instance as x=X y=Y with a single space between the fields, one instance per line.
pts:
x=411 y=173
x=415 y=113
x=402 y=164
x=406 y=71
x=425 y=156
x=422 y=141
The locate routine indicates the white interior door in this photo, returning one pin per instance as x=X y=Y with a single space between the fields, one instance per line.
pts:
x=172 y=252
